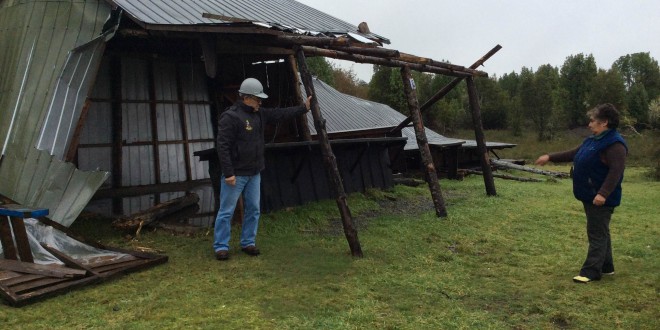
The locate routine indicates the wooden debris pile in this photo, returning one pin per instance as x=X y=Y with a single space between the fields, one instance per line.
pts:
x=163 y=215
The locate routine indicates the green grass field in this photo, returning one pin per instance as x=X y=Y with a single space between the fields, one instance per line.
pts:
x=502 y=262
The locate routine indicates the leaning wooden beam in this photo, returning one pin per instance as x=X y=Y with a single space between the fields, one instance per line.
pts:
x=442 y=92
x=143 y=218
x=479 y=135
x=329 y=159
x=422 y=142
x=302 y=119
x=384 y=61
x=423 y=60
x=529 y=169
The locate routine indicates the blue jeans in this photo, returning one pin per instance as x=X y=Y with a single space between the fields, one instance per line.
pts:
x=250 y=187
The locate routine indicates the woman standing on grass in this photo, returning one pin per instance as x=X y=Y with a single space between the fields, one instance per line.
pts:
x=598 y=163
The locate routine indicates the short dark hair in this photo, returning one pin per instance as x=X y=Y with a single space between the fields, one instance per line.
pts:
x=605 y=111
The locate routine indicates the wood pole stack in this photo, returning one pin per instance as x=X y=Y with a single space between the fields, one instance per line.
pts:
x=329 y=158
x=442 y=92
x=345 y=48
x=307 y=135
x=479 y=135
x=422 y=142
x=390 y=62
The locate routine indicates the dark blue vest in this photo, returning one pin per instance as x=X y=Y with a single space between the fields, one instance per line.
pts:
x=589 y=172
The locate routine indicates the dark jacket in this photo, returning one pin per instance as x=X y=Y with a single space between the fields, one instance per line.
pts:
x=590 y=171
x=240 y=141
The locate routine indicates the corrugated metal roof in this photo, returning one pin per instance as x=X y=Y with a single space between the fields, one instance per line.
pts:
x=345 y=113
x=285 y=15
x=48 y=30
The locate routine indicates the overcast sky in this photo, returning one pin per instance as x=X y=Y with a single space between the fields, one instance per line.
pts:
x=531 y=32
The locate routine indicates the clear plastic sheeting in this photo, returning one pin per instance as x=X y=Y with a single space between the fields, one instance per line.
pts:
x=39 y=233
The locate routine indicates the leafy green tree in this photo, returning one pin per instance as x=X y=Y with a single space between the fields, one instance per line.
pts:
x=577 y=74
x=540 y=98
x=638 y=103
x=641 y=75
x=510 y=83
x=654 y=113
x=494 y=101
x=451 y=116
x=386 y=87
x=516 y=116
x=640 y=68
x=608 y=87
x=318 y=66
x=347 y=82
x=451 y=112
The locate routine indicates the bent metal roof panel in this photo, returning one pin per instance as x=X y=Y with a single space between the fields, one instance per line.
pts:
x=285 y=15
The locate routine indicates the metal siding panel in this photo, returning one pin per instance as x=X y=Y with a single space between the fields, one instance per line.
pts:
x=136 y=204
x=92 y=159
x=97 y=127
x=136 y=122
x=172 y=163
x=71 y=91
x=134 y=82
x=193 y=82
x=169 y=122
x=137 y=166
x=199 y=170
x=102 y=89
x=32 y=176
x=51 y=26
x=165 y=81
x=62 y=189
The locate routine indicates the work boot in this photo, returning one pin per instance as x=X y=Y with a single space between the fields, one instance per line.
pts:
x=251 y=250
x=222 y=255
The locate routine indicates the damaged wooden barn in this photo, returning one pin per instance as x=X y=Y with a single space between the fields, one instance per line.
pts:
x=112 y=106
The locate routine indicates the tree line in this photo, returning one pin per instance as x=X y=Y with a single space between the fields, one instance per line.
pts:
x=549 y=99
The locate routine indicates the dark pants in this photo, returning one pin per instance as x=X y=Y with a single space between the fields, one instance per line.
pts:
x=599 y=258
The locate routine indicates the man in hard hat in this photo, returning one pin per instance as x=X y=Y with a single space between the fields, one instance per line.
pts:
x=240 y=147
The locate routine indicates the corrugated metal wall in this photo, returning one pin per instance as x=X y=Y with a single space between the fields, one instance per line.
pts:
x=54 y=28
x=170 y=93
x=36 y=38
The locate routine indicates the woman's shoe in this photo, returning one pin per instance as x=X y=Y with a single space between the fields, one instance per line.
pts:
x=581 y=279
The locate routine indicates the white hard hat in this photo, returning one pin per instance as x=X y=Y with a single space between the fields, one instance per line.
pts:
x=252 y=86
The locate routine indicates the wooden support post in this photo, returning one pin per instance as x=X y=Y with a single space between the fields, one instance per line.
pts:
x=72 y=150
x=442 y=92
x=422 y=142
x=479 y=135
x=302 y=119
x=117 y=134
x=329 y=159
x=22 y=241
